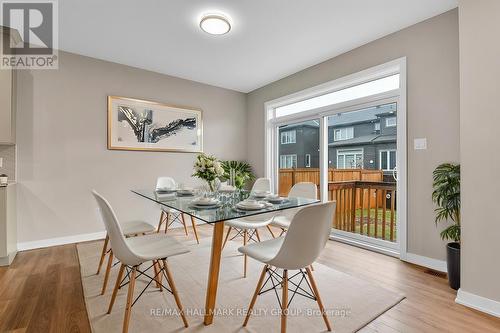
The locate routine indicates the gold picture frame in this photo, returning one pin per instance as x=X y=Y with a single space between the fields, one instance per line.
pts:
x=142 y=125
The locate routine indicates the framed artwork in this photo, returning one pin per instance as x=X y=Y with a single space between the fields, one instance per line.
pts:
x=135 y=124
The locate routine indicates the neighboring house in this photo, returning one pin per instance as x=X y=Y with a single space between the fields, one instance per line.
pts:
x=299 y=145
x=364 y=139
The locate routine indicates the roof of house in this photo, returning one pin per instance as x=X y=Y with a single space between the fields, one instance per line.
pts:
x=363 y=140
x=371 y=114
x=365 y=115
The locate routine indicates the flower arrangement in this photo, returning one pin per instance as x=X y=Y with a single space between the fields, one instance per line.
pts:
x=208 y=168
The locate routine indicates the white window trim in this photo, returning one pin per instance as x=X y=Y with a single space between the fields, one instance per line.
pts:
x=399 y=95
x=292 y=156
x=347 y=137
x=391 y=125
x=288 y=137
x=347 y=151
x=388 y=151
x=307 y=161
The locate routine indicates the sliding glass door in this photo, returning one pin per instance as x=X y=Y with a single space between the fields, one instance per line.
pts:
x=362 y=163
x=348 y=137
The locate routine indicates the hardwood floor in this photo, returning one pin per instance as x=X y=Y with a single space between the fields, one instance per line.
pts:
x=41 y=292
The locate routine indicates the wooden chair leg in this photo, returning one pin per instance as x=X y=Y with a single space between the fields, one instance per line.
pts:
x=162 y=216
x=117 y=286
x=168 y=221
x=271 y=231
x=318 y=298
x=103 y=254
x=184 y=224
x=312 y=268
x=171 y=283
x=106 y=275
x=194 y=229
x=257 y=234
x=255 y=294
x=130 y=300
x=156 y=274
x=284 y=301
x=245 y=258
x=227 y=237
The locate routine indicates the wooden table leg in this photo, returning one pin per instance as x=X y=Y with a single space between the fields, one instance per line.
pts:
x=213 y=272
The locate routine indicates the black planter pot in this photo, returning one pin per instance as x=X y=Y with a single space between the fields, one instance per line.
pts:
x=453 y=264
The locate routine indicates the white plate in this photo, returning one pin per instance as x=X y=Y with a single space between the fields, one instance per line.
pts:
x=276 y=199
x=243 y=206
x=205 y=203
x=217 y=205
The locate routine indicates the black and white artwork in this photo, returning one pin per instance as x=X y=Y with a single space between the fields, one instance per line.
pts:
x=143 y=125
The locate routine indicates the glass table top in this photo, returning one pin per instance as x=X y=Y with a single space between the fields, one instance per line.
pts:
x=225 y=210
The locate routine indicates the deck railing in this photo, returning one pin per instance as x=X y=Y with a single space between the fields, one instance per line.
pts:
x=365 y=207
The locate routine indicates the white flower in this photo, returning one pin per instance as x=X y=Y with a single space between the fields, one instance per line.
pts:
x=218 y=169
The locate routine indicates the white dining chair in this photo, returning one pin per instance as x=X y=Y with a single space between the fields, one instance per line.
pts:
x=132 y=252
x=170 y=215
x=300 y=190
x=247 y=227
x=297 y=250
x=130 y=229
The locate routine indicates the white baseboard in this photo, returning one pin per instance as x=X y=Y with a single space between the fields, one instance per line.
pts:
x=479 y=303
x=435 y=264
x=60 y=241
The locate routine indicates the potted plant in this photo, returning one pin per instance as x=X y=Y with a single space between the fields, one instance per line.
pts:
x=242 y=172
x=208 y=168
x=446 y=195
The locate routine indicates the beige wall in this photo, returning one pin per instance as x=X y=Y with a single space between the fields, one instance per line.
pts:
x=431 y=48
x=479 y=119
x=61 y=136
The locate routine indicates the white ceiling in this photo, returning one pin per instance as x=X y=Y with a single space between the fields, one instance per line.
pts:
x=270 y=39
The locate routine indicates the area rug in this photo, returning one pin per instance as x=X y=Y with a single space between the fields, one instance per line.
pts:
x=351 y=303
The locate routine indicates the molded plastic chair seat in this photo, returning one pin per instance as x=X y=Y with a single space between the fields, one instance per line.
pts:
x=154 y=246
x=169 y=210
x=263 y=251
x=246 y=223
x=136 y=227
x=282 y=221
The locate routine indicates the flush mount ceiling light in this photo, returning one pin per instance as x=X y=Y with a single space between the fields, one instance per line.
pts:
x=215 y=24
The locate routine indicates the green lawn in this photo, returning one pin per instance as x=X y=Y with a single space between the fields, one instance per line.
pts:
x=371 y=231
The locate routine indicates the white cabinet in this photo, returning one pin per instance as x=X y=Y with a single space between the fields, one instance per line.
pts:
x=8 y=224
x=7 y=115
x=7 y=93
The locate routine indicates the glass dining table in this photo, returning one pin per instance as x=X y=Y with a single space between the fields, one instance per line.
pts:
x=217 y=215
